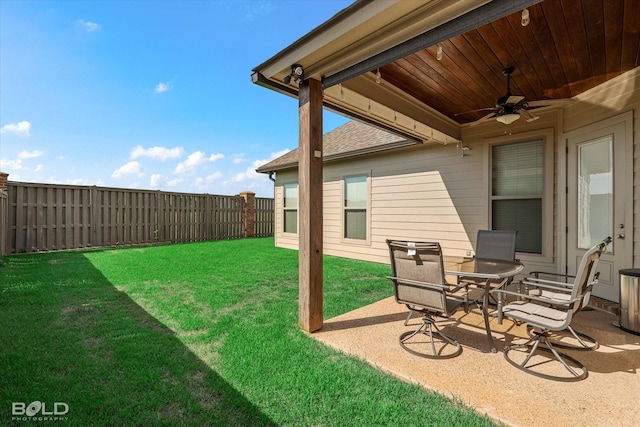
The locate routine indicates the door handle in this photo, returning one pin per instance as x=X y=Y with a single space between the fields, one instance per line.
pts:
x=620 y=236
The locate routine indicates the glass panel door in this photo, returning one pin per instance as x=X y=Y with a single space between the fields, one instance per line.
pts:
x=600 y=198
x=595 y=192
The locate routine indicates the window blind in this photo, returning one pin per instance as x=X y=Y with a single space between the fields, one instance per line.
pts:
x=517 y=169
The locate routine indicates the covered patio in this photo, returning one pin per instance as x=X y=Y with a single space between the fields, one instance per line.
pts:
x=455 y=73
x=486 y=382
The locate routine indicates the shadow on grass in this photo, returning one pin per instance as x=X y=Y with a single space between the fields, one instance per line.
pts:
x=335 y=325
x=69 y=336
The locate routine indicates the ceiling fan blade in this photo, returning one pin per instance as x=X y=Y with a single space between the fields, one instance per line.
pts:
x=475 y=111
x=483 y=119
x=549 y=102
x=527 y=115
x=514 y=99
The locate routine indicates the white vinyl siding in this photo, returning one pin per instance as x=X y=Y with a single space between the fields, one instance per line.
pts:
x=409 y=200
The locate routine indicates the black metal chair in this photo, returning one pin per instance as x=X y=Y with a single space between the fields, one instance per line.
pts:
x=419 y=283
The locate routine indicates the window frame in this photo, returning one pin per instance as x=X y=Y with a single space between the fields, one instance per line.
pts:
x=548 y=192
x=286 y=209
x=344 y=209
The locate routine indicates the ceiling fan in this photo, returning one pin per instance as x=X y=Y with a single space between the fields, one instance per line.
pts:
x=510 y=108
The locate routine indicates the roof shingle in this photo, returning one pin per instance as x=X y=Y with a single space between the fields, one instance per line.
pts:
x=351 y=139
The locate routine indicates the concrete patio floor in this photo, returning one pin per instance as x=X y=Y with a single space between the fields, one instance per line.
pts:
x=486 y=382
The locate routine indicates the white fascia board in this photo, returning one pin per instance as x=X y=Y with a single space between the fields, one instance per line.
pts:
x=324 y=35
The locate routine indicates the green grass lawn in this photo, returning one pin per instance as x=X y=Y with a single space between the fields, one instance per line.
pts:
x=193 y=334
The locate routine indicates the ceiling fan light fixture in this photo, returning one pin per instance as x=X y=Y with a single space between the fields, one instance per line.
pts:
x=509 y=118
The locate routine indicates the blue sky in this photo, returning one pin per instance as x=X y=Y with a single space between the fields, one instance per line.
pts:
x=148 y=94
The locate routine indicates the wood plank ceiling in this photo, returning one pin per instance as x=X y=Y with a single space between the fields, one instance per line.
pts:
x=568 y=47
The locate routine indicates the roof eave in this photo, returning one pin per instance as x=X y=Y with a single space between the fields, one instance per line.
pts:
x=339 y=156
x=340 y=23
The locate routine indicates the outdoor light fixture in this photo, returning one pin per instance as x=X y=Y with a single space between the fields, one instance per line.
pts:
x=525 y=17
x=508 y=118
x=378 y=76
x=297 y=72
x=462 y=148
x=439 y=53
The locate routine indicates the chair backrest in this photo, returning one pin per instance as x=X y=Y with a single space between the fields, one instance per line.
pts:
x=586 y=275
x=421 y=262
x=496 y=244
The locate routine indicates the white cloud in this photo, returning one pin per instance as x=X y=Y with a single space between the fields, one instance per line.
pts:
x=203 y=183
x=159 y=153
x=79 y=181
x=158 y=180
x=88 y=26
x=243 y=176
x=40 y=167
x=163 y=87
x=195 y=159
x=24 y=154
x=11 y=164
x=21 y=128
x=239 y=158
x=131 y=168
x=251 y=174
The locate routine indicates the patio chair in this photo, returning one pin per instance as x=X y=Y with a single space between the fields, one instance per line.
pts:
x=550 y=314
x=530 y=284
x=419 y=283
x=497 y=245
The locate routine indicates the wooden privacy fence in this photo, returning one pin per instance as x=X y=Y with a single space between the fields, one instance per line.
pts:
x=44 y=217
x=4 y=211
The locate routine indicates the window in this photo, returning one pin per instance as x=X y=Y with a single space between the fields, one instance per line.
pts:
x=595 y=191
x=355 y=207
x=290 y=208
x=517 y=191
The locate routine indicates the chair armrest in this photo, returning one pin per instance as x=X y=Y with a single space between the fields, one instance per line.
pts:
x=547 y=284
x=435 y=286
x=546 y=301
x=536 y=274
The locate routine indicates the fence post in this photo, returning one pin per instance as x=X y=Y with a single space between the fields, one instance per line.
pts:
x=4 y=212
x=4 y=179
x=249 y=213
